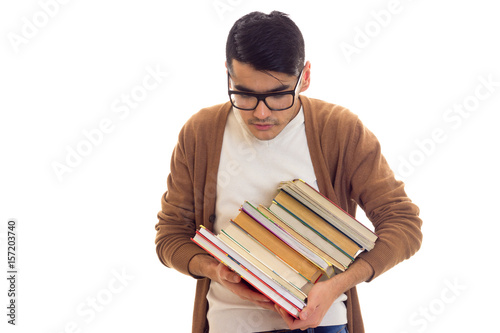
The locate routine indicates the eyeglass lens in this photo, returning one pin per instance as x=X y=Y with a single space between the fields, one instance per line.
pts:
x=273 y=102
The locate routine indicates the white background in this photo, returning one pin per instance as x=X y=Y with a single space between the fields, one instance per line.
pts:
x=76 y=232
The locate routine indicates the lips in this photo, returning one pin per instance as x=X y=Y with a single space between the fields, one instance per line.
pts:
x=263 y=127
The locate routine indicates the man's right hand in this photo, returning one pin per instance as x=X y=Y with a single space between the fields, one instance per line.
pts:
x=207 y=266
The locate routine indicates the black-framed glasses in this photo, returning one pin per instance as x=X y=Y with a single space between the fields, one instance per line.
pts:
x=275 y=101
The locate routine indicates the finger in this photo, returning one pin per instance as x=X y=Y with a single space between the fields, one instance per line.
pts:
x=304 y=314
x=308 y=310
x=307 y=318
x=245 y=291
x=266 y=305
x=289 y=320
x=250 y=294
x=226 y=274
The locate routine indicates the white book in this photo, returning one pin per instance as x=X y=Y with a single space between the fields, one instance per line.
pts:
x=247 y=271
x=267 y=258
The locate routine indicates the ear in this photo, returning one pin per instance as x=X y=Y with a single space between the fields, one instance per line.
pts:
x=306 y=76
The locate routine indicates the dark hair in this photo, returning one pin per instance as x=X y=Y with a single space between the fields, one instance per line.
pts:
x=267 y=42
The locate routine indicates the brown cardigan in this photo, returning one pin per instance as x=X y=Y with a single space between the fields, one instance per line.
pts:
x=349 y=168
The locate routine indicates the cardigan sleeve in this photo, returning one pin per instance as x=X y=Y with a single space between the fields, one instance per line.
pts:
x=374 y=188
x=176 y=220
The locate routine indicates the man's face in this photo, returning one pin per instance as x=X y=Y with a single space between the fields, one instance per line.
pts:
x=263 y=123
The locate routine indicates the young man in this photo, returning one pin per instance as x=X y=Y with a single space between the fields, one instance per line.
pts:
x=242 y=149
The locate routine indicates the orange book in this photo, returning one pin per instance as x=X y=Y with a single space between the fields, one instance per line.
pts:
x=278 y=247
x=300 y=238
x=330 y=212
x=317 y=223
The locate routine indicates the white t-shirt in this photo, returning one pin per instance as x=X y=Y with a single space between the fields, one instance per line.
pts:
x=251 y=169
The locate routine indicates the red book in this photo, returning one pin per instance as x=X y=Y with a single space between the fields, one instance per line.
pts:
x=275 y=292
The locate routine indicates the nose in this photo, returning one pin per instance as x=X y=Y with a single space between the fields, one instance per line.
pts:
x=262 y=111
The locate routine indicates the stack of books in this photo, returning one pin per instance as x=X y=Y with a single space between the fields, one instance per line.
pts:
x=282 y=250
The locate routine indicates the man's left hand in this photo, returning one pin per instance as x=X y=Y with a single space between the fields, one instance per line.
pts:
x=323 y=294
x=319 y=300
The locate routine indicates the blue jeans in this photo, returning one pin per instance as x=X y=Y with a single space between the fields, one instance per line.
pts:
x=320 y=329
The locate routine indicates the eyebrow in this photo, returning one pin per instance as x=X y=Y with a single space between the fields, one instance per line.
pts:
x=283 y=87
